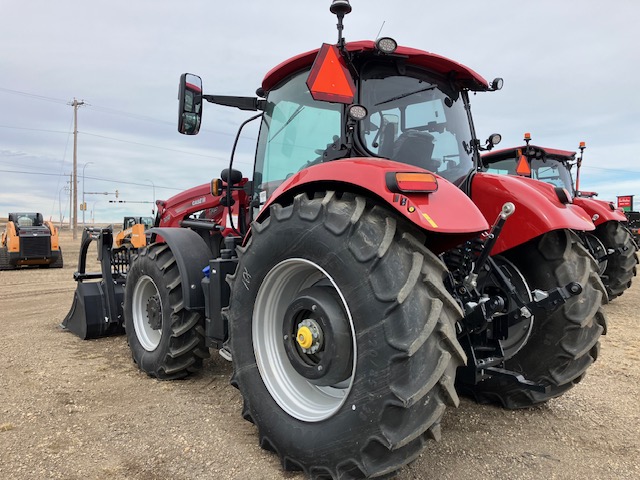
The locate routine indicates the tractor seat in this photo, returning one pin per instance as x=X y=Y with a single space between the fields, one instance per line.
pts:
x=415 y=148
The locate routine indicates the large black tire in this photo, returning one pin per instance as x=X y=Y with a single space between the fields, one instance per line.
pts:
x=166 y=340
x=59 y=263
x=4 y=259
x=621 y=265
x=388 y=326
x=563 y=345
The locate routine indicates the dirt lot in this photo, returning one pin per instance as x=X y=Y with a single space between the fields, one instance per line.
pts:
x=73 y=409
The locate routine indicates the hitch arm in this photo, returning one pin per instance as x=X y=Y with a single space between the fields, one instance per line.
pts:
x=543 y=302
x=471 y=281
x=517 y=378
x=549 y=301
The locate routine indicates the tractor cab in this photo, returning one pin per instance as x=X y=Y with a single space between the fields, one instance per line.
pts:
x=356 y=100
x=548 y=165
x=129 y=222
x=404 y=106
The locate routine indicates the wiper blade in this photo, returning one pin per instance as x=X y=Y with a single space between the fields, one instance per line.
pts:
x=289 y=120
x=403 y=95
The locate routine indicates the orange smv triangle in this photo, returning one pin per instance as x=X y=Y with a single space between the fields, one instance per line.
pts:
x=523 y=167
x=329 y=79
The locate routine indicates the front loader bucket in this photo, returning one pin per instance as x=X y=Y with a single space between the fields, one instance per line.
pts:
x=97 y=305
x=88 y=317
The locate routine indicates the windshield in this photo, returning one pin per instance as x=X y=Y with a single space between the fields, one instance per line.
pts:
x=546 y=170
x=412 y=120
x=552 y=171
x=294 y=133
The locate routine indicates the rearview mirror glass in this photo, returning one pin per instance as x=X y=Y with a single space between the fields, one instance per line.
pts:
x=189 y=104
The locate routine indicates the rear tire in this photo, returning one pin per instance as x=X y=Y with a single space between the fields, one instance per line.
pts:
x=388 y=327
x=166 y=340
x=622 y=263
x=4 y=259
x=58 y=262
x=563 y=345
x=597 y=250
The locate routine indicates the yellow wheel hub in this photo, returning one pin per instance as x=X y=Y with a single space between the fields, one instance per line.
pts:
x=304 y=337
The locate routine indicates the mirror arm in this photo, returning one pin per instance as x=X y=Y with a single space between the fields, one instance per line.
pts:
x=243 y=103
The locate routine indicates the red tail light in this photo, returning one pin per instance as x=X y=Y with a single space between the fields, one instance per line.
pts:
x=411 y=182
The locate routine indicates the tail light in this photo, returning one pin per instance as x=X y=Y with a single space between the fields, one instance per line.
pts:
x=411 y=182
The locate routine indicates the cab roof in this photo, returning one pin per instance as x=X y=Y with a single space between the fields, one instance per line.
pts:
x=442 y=65
x=501 y=154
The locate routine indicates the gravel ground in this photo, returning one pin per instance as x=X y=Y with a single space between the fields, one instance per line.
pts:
x=73 y=409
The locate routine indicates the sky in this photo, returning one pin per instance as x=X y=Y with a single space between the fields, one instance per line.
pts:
x=569 y=72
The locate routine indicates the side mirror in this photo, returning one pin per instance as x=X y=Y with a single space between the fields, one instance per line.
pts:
x=189 y=104
x=231 y=177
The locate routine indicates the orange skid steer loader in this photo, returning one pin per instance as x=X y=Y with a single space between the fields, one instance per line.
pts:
x=29 y=241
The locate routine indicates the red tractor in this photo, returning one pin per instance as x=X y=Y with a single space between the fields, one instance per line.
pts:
x=359 y=276
x=611 y=243
x=100 y=295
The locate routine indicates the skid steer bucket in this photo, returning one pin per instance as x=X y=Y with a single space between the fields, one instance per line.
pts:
x=97 y=305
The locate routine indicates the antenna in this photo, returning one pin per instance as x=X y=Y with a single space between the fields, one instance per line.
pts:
x=340 y=8
x=380 y=31
x=583 y=145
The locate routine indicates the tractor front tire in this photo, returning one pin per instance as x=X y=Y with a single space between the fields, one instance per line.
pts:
x=166 y=341
x=621 y=265
x=342 y=336
x=562 y=345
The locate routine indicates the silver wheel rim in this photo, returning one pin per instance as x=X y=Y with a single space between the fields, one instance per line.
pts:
x=518 y=335
x=292 y=392
x=143 y=291
x=596 y=245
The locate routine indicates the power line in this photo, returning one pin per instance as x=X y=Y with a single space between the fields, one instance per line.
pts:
x=111 y=111
x=123 y=141
x=145 y=118
x=124 y=182
x=151 y=146
x=635 y=172
x=33 y=95
x=211 y=157
x=135 y=116
x=33 y=129
x=33 y=173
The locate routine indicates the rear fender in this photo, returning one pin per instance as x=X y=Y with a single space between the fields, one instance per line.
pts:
x=12 y=238
x=192 y=255
x=55 y=242
x=606 y=211
x=448 y=212
x=538 y=208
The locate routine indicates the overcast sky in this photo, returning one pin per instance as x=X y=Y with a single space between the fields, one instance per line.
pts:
x=570 y=71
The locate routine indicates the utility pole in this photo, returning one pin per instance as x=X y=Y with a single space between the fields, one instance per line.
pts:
x=71 y=189
x=75 y=106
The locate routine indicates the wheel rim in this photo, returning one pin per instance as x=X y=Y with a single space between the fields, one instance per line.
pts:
x=294 y=393
x=520 y=332
x=598 y=251
x=146 y=310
